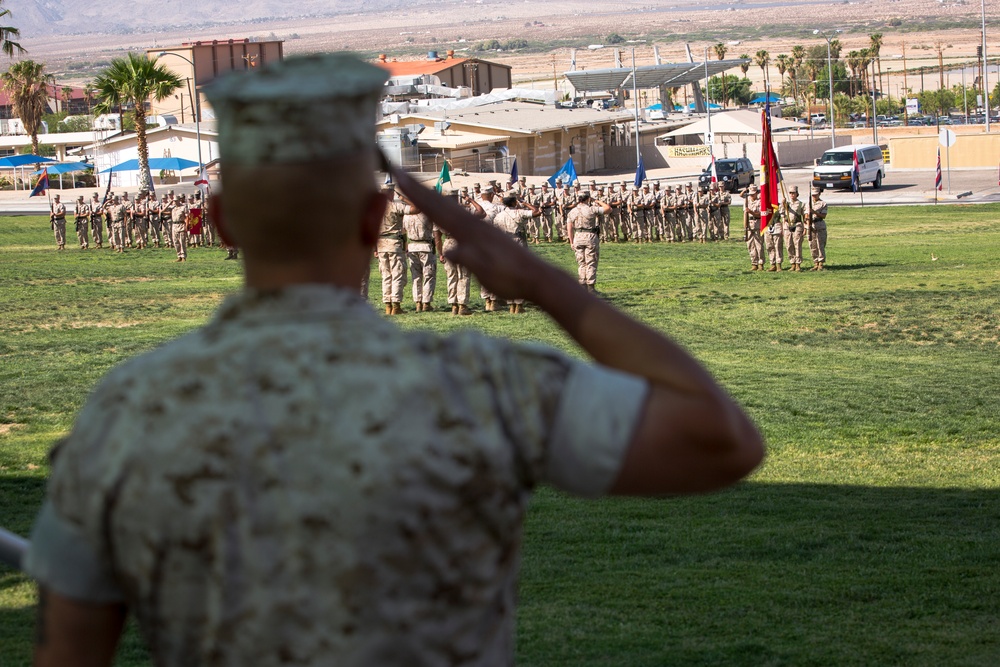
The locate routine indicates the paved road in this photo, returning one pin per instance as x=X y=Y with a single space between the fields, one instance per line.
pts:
x=901 y=187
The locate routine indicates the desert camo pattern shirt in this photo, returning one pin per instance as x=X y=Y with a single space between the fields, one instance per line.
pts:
x=301 y=482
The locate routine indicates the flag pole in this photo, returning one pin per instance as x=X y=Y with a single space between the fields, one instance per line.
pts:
x=635 y=95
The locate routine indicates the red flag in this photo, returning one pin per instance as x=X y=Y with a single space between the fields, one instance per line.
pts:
x=194 y=221
x=715 y=172
x=42 y=185
x=770 y=173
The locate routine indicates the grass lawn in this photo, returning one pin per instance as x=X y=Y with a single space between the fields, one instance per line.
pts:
x=870 y=536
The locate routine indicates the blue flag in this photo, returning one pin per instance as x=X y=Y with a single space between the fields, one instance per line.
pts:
x=640 y=173
x=513 y=172
x=567 y=173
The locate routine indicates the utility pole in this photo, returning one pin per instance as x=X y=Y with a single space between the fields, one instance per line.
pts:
x=940 y=66
x=906 y=113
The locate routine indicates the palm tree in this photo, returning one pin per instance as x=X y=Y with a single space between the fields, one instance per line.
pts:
x=67 y=93
x=874 y=48
x=8 y=46
x=797 y=58
x=720 y=53
x=131 y=82
x=835 y=48
x=28 y=86
x=745 y=65
x=762 y=59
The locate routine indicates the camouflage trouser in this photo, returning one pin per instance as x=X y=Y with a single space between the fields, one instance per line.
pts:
x=457 y=277
x=392 y=266
x=546 y=223
x=97 y=228
x=59 y=229
x=725 y=222
x=587 y=255
x=793 y=243
x=700 y=223
x=755 y=246
x=640 y=227
x=82 y=233
x=118 y=234
x=773 y=244
x=156 y=229
x=180 y=239
x=423 y=272
x=817 y=244
x=142 y=232
x=715 y=225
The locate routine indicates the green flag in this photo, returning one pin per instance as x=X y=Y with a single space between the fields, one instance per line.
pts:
x=445 y=177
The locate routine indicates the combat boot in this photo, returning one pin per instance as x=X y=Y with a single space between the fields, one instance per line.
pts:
x=396 y=309
x=778 y=268
x=519 y=309
x=821 y=265
x=464 y=310
x=454 y=309
x=388 y=309
x=489 y=306
x=428 y=307
x=513 y=308
x=774 y=267
x=420 y=306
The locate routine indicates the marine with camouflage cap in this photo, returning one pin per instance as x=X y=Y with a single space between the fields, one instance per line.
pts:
x=487 y=201
x=57 y=219
x=513 y=219
x=550 y=209
x=179 y=214
x=657 y=224
x=82 y=215
x=751 y=228
x=532 y=197
x=584 y=226
x=118 y=232
x=421 y=259
x=457 y=276
x=97 y=220
x=301 y=481
x=715 y=229
x=391 y=251
x=817 y=236
x=793 y=218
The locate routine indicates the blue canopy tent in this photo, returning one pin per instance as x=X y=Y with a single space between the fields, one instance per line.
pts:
x=21 y=161
x=64 y=168
x=168 y=163
x=760 y=98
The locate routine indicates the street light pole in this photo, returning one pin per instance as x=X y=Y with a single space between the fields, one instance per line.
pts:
x=195 y=104
x=829 y=76
x=986 y=78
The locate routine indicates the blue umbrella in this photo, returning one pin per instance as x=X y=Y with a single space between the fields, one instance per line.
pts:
x=20 y=160
x=64 y=168
x=168 y=163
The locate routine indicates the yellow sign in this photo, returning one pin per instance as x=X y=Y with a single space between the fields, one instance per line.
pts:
x=689 y=151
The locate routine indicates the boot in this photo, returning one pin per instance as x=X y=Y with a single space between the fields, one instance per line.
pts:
x=513 y=308
x=822 y=265
x=396 y=309
x=420 y=306
x=463 y=309
x=519 y=309
x=489 y=306
x=454 y=309
x=428 y=307
x=778 y=267
x=753 y=267
x=388 y=309
x=774 y=267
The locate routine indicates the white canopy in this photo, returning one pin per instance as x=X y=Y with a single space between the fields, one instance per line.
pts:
x=732 y=122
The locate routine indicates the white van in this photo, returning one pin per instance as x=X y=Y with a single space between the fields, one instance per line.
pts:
x=835 y=167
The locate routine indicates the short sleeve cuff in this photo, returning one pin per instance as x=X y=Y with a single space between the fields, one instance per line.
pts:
x=60 y=559
x=598 y=413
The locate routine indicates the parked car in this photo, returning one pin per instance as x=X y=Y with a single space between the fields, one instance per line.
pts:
x=734 y=173
x=835 y=167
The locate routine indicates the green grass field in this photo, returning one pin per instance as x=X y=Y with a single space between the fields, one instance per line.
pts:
x=871 y=536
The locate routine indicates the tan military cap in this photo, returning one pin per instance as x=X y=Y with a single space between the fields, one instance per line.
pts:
x=301 y=109
x=817 y=191
x=794 y=190
x=752 y=190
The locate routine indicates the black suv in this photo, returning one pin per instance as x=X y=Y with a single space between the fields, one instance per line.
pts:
x=734 y=174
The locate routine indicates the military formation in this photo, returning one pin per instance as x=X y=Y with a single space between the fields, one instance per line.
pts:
x=794 y=222
x=585 y=217
x=138 y=222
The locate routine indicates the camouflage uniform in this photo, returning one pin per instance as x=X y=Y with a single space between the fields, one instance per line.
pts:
x=586 y=220
x=82 y=215
x=421 y=258
x=755 y=244
x=179 y=216
x=97 y=220
x=793 y=215
x=391 y=256
x=266 y=508
x=118 y=220
x=550 y=209
x=57 y=215
x=817 y=240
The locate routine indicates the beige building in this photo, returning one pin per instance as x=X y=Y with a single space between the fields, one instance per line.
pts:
x=487 y=138
x=480 y=76
x=198 y=63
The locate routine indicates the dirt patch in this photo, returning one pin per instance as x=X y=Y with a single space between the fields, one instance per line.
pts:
x=6 y=429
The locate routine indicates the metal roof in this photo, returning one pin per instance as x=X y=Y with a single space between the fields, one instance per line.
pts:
x=671 y=75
